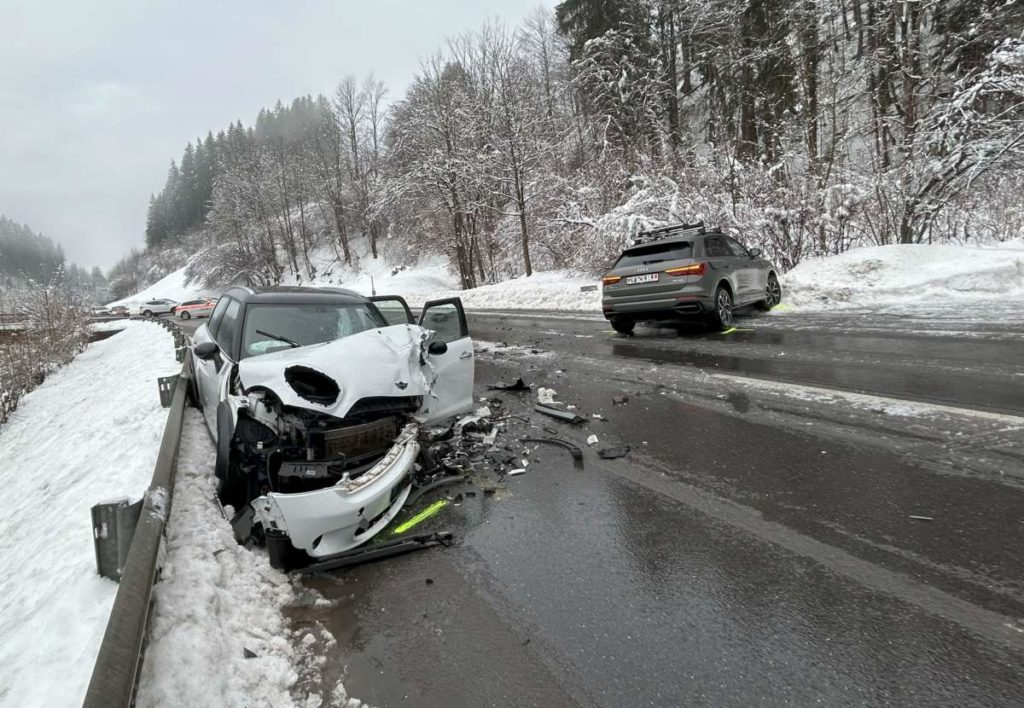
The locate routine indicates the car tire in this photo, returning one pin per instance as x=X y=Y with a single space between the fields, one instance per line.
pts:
x=721 y=314
x=773 y=294
x=186 y=316
x=147 y=313
x=622 y=325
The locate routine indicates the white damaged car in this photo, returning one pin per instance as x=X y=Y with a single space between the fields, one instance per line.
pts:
x=315 y=399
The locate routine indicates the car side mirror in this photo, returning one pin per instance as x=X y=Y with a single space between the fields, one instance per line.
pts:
x=206 y=349
x=437 y=348
x=754 y=252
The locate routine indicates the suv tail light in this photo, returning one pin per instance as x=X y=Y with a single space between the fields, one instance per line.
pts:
x=611 y=279
x=692 y=269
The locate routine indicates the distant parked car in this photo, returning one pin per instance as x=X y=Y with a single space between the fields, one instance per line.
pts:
x=686 y=271
x=119 y=310
x=152 y=308
x=195 y=308
x=99 y=312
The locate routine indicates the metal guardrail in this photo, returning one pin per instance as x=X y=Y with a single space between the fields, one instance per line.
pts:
x=115 y=673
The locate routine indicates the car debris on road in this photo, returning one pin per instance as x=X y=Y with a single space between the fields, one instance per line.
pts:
x=517 y=385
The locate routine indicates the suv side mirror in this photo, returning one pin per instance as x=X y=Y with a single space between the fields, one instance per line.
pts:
x=437 y=348
x=206 y=349
x=754 y=252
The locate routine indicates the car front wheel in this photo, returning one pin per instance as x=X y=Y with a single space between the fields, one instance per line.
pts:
x=772 y=294
x=147 y=313
x=721 y=316
x=186 y=316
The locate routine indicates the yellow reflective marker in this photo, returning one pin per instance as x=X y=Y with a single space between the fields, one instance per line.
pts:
x=782 y=307
x=422 y=516
x=729 y=331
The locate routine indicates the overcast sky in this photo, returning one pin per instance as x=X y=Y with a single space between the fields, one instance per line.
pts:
x=96 y=98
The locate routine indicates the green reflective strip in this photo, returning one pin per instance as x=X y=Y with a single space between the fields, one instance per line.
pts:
x=729 y=331
x=783 y=307
x=422 y=516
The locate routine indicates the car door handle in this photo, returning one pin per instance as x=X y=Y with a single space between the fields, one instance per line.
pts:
x=465 y=355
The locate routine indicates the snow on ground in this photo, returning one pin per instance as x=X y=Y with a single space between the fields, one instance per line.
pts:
x=89 y=433
x=885 y=278
x=431 y=279
x=214 y=601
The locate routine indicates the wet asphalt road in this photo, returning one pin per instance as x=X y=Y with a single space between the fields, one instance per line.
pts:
x=755 y=547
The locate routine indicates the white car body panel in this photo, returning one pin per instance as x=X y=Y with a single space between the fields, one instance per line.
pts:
x=377 y=362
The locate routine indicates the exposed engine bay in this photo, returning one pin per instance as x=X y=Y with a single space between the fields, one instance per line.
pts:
x=286 y=449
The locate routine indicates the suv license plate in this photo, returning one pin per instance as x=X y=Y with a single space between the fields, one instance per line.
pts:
x=649 y=278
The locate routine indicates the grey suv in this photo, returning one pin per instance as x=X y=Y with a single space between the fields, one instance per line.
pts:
x=685 y=271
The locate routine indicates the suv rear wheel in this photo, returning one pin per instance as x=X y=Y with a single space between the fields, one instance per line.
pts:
x=721 y=317
x=147 y=313
x=772 y=294
x=622 y=325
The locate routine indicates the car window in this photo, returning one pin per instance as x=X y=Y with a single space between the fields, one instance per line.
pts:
x=229 y=325
x=655 y=253
x=217 y=316
x=270 y=328
x=444 y=319
x=714 y=247
x=736 y=248
x=190 y=302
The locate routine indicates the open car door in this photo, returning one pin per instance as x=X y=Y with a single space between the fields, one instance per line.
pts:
x=453 y=389
x=394 y=309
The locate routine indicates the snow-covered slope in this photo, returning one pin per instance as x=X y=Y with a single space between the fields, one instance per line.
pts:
x=89 y=433
x=172 y=287
x=907 y=275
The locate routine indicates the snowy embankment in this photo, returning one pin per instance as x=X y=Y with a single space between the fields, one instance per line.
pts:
x=217 y=636
x=173 y=286
x=89 y=433
x=911 y=276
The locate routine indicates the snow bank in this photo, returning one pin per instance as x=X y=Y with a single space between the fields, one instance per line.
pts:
x=89 y=433
x=908 y=274
x=217 y=634
x=214 y=600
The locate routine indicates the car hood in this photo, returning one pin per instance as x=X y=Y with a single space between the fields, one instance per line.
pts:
x=377 y=362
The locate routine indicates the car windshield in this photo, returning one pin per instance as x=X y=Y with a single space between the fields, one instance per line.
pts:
x=271 y=328
x=655 y=253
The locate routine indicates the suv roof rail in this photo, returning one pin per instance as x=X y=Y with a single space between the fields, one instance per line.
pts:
x=670 y=231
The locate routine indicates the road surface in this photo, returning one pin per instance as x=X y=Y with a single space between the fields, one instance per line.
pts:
x=814 y=510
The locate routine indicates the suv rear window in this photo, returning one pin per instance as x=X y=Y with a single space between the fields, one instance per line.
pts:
x=655 y=253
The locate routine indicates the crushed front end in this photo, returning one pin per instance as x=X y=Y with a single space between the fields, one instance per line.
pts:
x=322 y=484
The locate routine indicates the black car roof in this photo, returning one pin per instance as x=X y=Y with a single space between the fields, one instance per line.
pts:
x=284 y=294
x=672 y=240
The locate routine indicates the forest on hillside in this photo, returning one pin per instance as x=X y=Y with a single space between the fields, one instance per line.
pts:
x=30 y=260
x=802 y=126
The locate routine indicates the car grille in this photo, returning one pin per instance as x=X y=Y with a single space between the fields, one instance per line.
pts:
x=358 y=441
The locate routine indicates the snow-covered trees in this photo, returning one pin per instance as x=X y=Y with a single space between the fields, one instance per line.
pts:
x=803 y=126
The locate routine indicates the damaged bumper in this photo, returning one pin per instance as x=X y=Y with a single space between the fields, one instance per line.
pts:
x=338 y=518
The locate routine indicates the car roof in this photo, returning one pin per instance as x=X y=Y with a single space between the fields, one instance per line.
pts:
x=672 y=240
x=285 y=294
